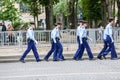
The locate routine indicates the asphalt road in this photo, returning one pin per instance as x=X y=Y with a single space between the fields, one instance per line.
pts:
x=62 y=70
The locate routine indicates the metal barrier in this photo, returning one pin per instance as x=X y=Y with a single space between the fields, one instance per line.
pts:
x=17 y=39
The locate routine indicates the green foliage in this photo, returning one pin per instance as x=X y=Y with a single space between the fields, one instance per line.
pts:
x=33 y=6
x=45 y=2
x=60 y=8
x=9 y=12
x=91 y=9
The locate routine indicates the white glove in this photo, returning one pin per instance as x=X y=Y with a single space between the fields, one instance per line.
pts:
x=112 y=41
x=54 y=41
x=80 y=42
x=90 y=39
x=36 y=42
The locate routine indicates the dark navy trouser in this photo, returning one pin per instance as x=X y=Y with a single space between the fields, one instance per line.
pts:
x=113 y=51
x=83 y=46
x=58 y=51
x=108 y=47
x=31 y=45
x=76 y=56
x=104 y=48
x=51 y=50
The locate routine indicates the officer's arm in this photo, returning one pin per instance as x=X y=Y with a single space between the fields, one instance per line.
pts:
x=89 y=38
x=78 y=30
x=80 y=35
x=54 y=36
x=110 y=34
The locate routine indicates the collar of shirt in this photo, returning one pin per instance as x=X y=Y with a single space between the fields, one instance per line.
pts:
x=30 y=28
x=56 y=28
x=82 y=27
x=109 y=26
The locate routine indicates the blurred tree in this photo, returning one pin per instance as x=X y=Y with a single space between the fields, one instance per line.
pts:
x=110 y=8
x=72 y=10
x=9 y=12
x=67 y=11
x=60 y=11
x=49 y=11
x=104 y=12
x=91 y=11
x=118 y=4
x=34 y=7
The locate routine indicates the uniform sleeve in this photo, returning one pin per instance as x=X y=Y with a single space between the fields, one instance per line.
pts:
x=54 y=35
x=77 y=31
x=80 y=35
x=110 y=33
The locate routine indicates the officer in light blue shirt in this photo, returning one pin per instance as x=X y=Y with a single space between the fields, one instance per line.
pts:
x=52 y=45
x=83 y=41
x=56 y=45
x=31 y=44
x=108 y=42
x=78 y=40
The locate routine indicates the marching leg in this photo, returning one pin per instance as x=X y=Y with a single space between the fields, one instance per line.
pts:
x=26 y=52
x=35 y=52
x=55 y=58
x=81 y=52
x=60 y=51
x=50 y=52
x=113 y=52
x=102 y=51
x=88 y=50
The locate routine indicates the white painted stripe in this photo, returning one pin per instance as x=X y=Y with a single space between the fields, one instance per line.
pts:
x=64 y=74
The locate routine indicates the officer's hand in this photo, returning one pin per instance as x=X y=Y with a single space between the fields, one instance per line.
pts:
x=112 y=41
x=91 y=40
x=55 y=42
x=81 y=42
x=36 y=42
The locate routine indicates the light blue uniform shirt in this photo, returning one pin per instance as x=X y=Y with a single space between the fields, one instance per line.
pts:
x=30 y=34
x=55 y=33
x=108 y=32
x=78 y=31
x=83 y=33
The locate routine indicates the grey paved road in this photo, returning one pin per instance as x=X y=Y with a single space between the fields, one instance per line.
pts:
x=62 y=70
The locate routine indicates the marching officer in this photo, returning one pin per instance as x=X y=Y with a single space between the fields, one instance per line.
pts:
x=31 y=44
x=56 y=45
x=83 y=41
x=78 y=40
x=52 y=46
x=108 y=42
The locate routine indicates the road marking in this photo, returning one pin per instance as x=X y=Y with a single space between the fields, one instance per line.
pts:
x=64 y=74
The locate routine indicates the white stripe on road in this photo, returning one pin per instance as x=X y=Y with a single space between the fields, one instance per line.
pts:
x=65 y=74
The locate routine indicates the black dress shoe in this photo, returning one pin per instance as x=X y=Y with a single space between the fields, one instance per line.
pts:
x=75 y=59
x=22 y=61
x=38 y=60
x=100 y=58
x=55 y=60
x=104 y=57
x=45 y=59
x=64 y=59
x=80 y=59
x=91 y=58
x=61 y=59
